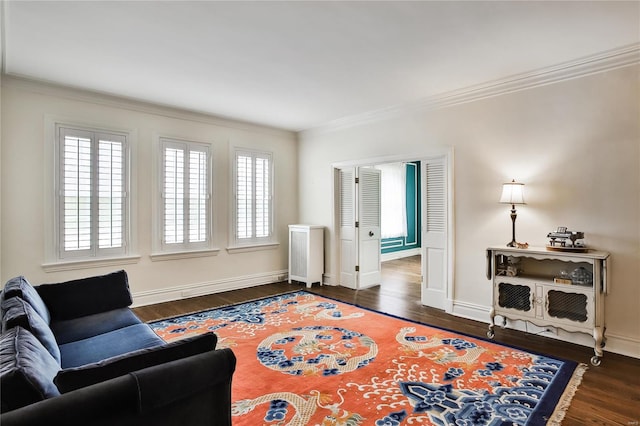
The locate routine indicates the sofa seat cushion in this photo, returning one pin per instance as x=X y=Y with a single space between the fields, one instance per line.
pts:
x=71 y=379
x=107 y=345
x=27 y=370
x=17 y=312
x=20 y=287
x=92 y=325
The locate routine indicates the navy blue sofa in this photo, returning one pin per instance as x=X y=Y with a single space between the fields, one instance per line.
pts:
x=74 y=352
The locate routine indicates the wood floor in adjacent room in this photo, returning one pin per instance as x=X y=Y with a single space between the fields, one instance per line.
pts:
x=609 y=394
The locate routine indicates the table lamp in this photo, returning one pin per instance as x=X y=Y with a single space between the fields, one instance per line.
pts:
x=512 y=193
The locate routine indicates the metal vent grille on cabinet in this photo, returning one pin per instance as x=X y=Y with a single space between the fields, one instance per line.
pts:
x=571 y=306
x=306 y=254
x=299 y=253
x=514 y=296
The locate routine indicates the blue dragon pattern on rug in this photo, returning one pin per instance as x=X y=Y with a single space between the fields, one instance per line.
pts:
x=433 y=377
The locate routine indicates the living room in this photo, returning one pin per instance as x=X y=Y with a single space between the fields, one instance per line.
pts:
x=569 y=130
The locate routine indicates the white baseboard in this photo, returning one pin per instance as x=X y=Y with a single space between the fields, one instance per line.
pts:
x=470 y=311
x=399 y=254
x=622 y=345
x=169 y=294
x=329 y=279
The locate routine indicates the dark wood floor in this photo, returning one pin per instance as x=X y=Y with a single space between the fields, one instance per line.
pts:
x=609 y=394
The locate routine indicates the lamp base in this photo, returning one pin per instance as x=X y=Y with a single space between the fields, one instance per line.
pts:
x=513 y=227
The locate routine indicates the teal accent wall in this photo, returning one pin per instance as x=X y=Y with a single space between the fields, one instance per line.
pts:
x=412 y=240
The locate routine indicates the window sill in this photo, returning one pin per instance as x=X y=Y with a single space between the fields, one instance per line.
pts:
x=252 y=247
x=89 y=263
x=160 y=257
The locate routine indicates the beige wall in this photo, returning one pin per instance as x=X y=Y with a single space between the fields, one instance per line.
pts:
x=576 y=146
x=27 y=107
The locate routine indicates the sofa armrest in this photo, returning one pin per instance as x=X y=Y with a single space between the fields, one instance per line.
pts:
x=86 y=296
x=190 y=391
x=165 y=385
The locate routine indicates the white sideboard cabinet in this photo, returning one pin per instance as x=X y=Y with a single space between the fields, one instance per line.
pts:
x=558 y=289
x=306 y=254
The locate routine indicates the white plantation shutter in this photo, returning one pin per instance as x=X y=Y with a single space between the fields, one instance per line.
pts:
x=244 y=195
x=253 y=183
x=110 y=193
x=91 y=193
x=198 y=195
x=263 y=198
x=186 y=171
x=173 y=195
x=76 y=193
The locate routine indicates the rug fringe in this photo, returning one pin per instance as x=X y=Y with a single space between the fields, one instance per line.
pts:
x=565 y=400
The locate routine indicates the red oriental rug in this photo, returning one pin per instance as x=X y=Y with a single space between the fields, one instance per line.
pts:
x=308 y=360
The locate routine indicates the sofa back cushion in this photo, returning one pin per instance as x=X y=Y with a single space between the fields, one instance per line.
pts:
x=71 y=379
x=20 y=287
x=27 y=370
x=86 y=296
x=18 y=313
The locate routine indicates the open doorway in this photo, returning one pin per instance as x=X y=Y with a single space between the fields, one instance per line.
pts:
x=436 y=198
x=403 y=278
x=401 y=268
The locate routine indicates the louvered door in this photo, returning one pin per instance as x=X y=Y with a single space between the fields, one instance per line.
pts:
x=434 y=232
x=359 y=227
x=369 y=227
x=348 y=240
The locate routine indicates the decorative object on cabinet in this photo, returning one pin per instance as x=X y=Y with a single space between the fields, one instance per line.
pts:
x=563 y=240
x=545 y=294
x=306 y=254
x=512 y=193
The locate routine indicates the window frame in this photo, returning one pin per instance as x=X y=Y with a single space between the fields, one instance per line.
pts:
x=94 y=252
x=253 y=241
x=167 y=250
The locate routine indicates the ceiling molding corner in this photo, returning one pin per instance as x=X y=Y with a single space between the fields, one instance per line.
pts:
x=604 y=61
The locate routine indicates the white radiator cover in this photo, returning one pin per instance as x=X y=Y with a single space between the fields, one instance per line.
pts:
x=306 y=253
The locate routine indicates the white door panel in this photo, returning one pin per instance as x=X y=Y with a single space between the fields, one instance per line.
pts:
x=369 y=227
x=434 y=232
x=347 y=219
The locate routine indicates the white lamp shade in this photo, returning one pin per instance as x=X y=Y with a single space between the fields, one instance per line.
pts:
x=512 y=193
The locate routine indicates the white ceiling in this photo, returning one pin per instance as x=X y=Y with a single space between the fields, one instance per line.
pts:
x=299 y=65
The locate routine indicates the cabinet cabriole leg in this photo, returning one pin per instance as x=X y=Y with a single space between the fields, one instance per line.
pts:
x=598 y=336
x=492 y=317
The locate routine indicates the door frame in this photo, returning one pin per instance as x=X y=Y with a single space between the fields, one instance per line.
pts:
x=447 y=154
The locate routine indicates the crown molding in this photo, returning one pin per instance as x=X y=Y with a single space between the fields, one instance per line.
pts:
x=605 y=61
x=48 y=88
